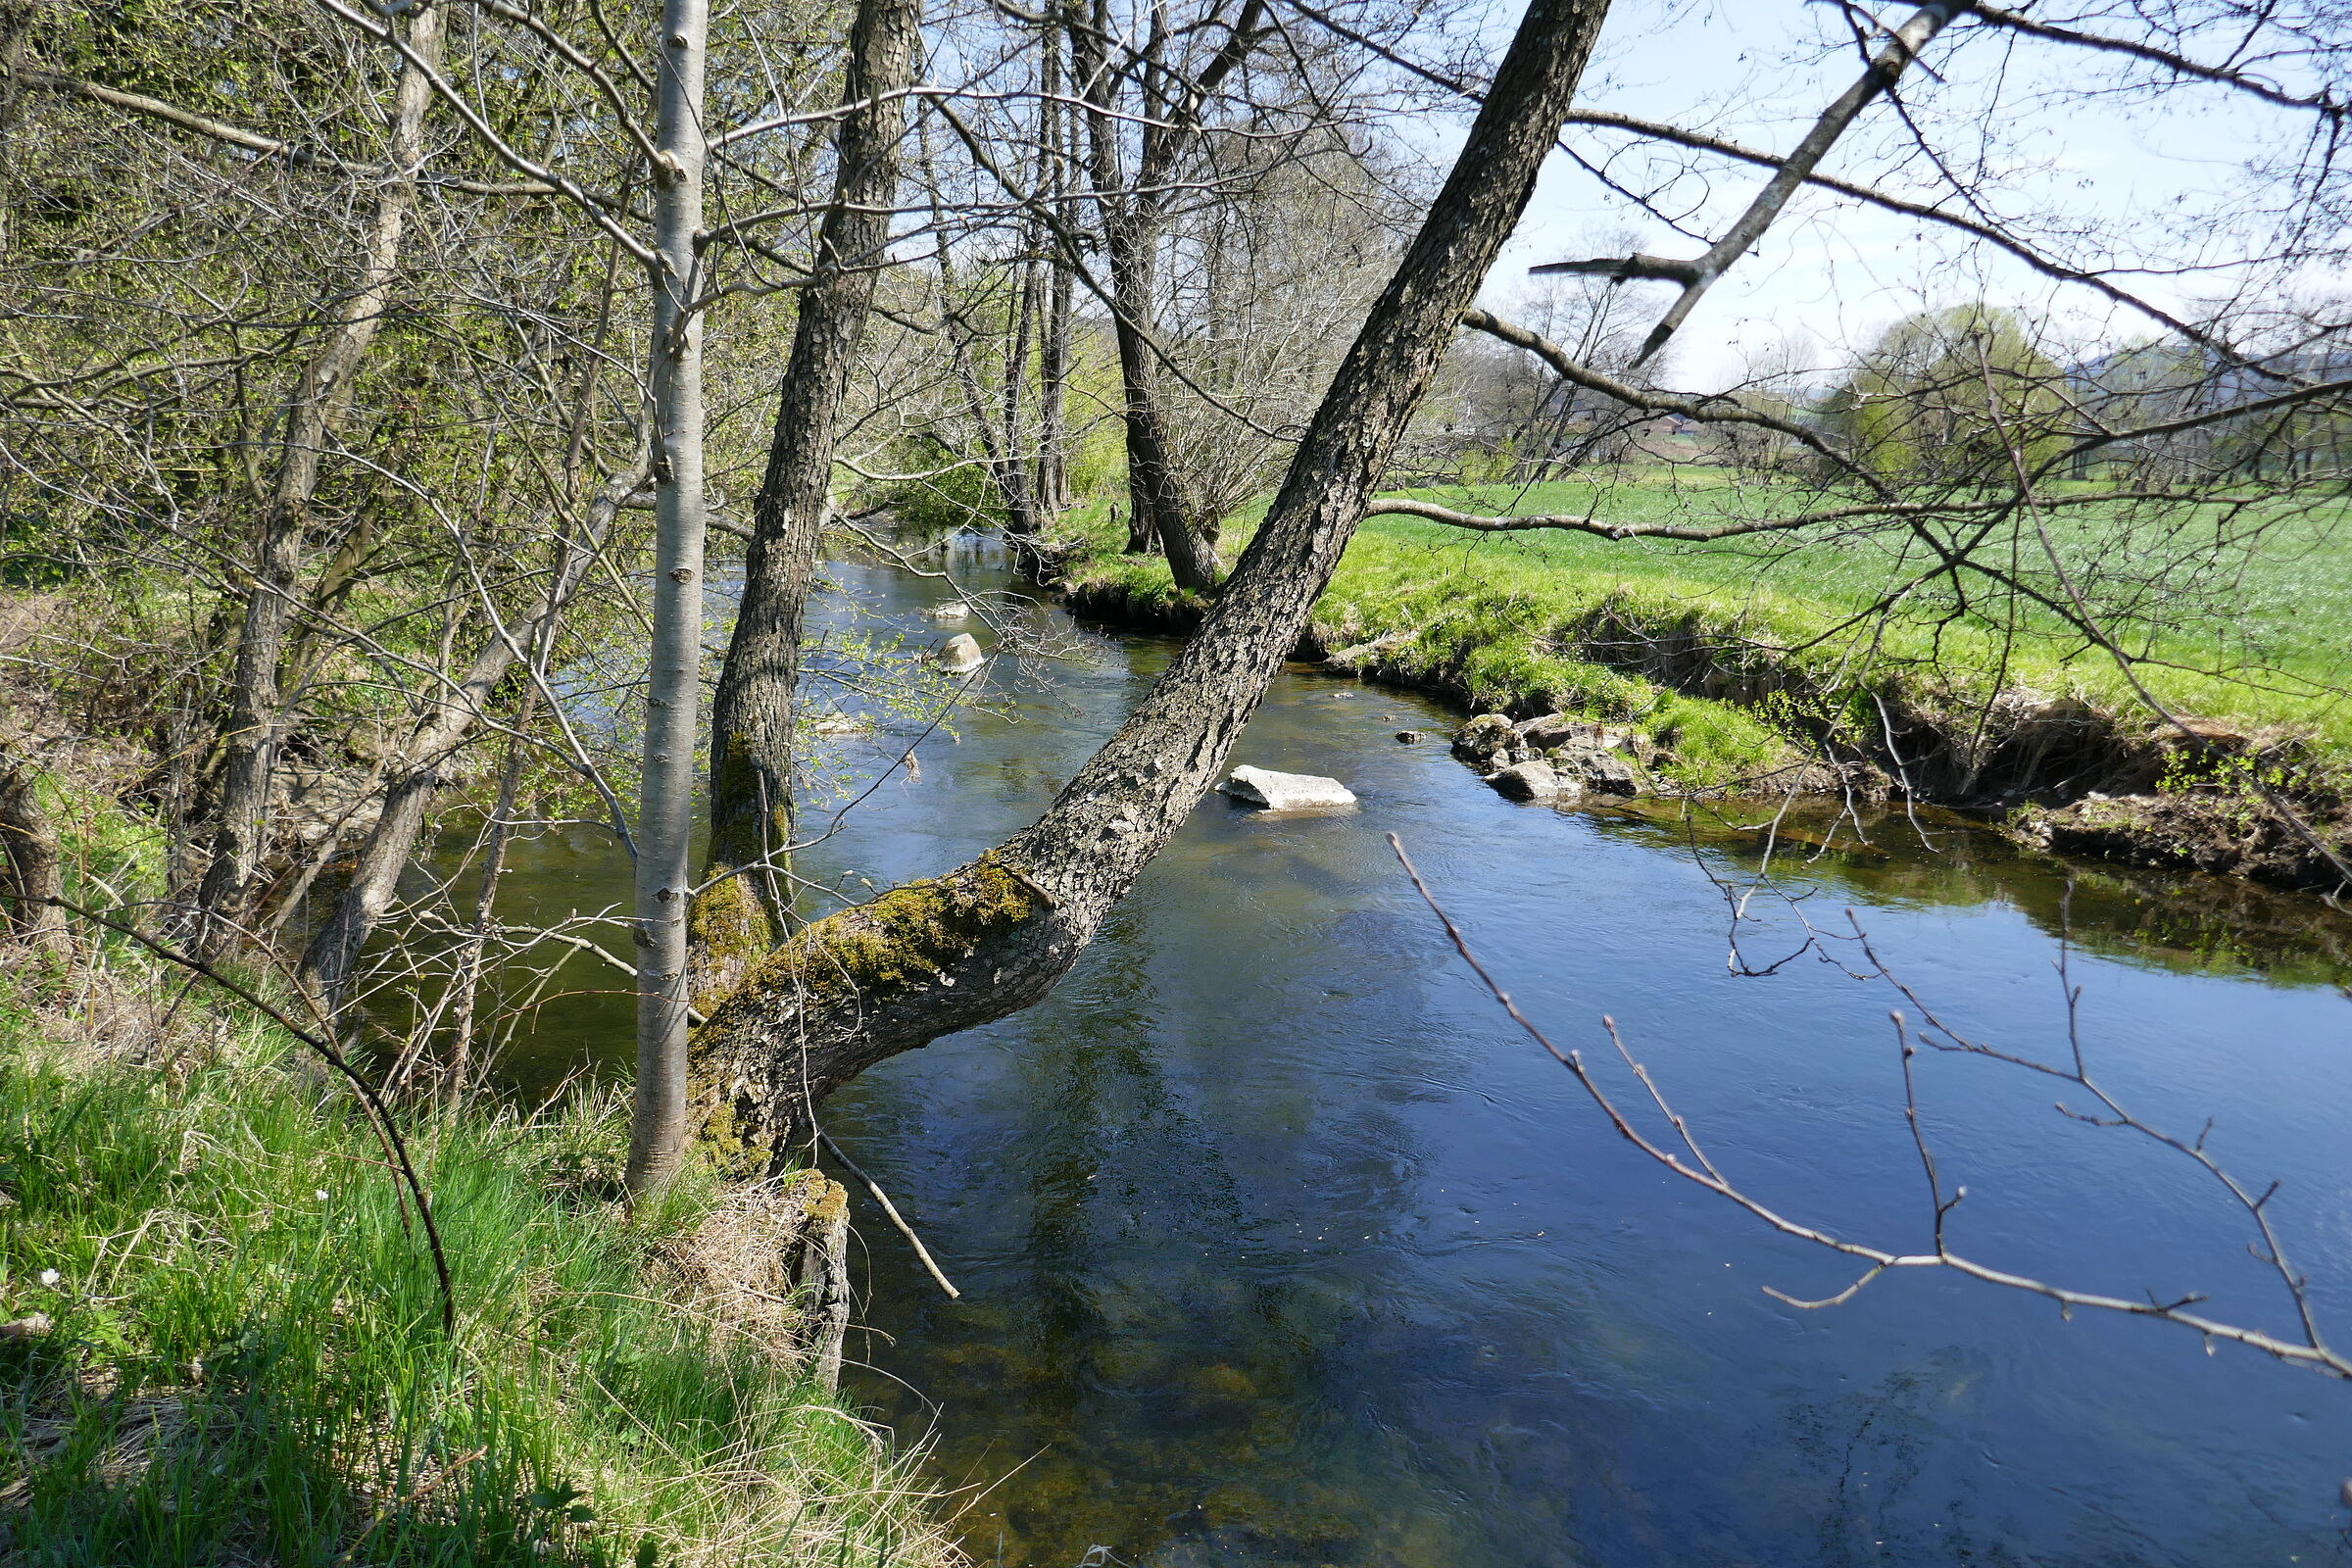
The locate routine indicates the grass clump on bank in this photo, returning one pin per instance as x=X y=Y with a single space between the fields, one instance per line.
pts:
x=229 y=1346
x=225 y=1338
x=1482 y=630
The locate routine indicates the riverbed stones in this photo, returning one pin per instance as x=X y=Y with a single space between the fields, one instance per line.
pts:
x=1534 y=782
x=960 y=654
x=833 y=722
x=1285 y=792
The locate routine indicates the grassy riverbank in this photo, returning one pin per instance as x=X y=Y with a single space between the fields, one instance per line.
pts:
x=1749 y=664
x=226 y=1341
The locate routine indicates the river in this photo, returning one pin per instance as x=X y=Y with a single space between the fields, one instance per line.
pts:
x=1280 y=1244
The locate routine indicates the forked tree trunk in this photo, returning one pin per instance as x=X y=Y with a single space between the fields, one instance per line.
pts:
x=1020 y=466
x=1130 y=236
x=674 y=663
x=256 y=719
x=992 y=937
x=740 y=914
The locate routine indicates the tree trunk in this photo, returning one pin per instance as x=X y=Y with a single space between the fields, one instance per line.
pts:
x=992 y=937
x=1053 y=351
x=34 y=864
x=674 y=661
x=1020 y=464
x=740 y=914
x=1130 y=236
x=256 y=719
x=326 y=963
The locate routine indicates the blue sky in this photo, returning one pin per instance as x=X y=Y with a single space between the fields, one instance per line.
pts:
x=2157 y=183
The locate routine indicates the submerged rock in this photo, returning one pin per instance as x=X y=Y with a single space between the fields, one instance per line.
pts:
x=832 y=721
x=958 y=653
x=1285 y=792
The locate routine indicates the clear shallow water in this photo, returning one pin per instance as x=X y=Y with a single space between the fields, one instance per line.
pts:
x=1279 y=1245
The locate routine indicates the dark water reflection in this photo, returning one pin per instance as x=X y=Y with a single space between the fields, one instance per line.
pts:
x=1280 y=1246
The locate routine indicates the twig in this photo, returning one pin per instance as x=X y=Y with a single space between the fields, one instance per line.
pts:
x=892 y=1209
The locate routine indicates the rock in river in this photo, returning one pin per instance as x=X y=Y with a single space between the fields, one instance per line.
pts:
x=1485 y=735
x=953 y=610
x=1597 y=766
x=1533 y=781
x=1557 y=729
x=1285 y=792
x=958 y=653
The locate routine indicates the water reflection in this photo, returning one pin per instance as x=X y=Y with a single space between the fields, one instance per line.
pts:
x=1279 y=1246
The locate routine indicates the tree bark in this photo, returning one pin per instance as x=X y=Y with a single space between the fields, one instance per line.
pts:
x=256 y=719
x=993 y=937
x=35 y=866
x=674 y=662
x=1129 y=238
x=740 y=914
x=334 y=948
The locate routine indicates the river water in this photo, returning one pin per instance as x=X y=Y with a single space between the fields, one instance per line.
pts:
x=1280 y=1244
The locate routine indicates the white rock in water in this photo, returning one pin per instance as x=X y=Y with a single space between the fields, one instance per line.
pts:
x=960 y=654
x=951 y=612
x=1285 y=792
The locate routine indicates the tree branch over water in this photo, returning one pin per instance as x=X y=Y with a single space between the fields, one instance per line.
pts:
x=1690 y=1162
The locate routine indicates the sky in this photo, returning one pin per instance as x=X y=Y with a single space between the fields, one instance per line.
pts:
x=2147 y=183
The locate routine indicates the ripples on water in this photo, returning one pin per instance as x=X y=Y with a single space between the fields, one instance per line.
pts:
x=1280 y=1246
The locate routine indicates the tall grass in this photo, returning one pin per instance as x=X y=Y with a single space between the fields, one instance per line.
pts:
x=226 y=1341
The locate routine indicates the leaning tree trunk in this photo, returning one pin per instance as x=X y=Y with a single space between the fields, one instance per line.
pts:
x=993 y=936
x=256 y=716
x=740 y=915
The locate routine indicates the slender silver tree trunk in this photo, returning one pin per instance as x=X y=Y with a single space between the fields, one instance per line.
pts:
x=256 y=719
x=1053 y=351
x=673 y=674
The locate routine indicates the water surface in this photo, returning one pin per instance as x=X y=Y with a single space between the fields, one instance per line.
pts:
x=1279 y=1243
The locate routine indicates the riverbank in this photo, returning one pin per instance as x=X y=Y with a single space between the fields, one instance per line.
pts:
x=222 y=1335
x=1736 y=686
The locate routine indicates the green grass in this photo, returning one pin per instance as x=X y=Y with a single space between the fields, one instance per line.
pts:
x=2255 y=608
x=243 y=1357
x=2240 y=618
